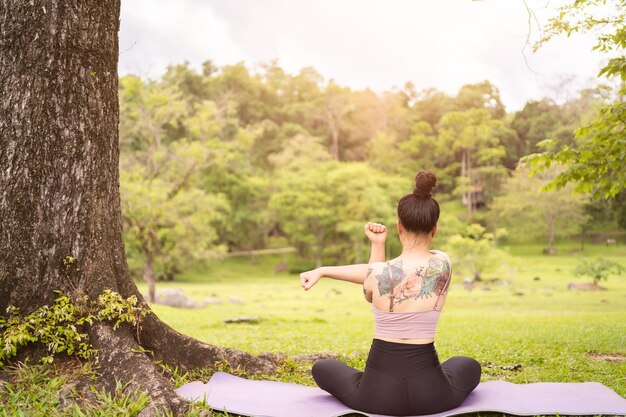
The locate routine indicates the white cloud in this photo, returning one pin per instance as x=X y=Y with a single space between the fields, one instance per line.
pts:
x=360 y=43
x=156 y=33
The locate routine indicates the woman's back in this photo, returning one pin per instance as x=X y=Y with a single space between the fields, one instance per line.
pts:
x=407 y=296
x=419 y=283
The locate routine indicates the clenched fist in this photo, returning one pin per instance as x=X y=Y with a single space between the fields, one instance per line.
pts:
x=376 y=232
x=310 y=278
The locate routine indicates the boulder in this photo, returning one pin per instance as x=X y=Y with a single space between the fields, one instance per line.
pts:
x=584 y=286
x=175 y=297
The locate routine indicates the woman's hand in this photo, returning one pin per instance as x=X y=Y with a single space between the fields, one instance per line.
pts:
x=310 y=278
x=376 y=232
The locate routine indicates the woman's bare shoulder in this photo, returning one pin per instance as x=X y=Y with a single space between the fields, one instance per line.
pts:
x=437 y=252
x=441 y=254
x=375 y=268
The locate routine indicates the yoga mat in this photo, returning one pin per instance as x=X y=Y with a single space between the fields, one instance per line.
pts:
x=236 y=395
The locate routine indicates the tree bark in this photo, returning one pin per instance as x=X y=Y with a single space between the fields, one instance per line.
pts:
x=60 y=213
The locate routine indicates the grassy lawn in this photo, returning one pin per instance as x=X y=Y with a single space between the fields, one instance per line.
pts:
x=524 y=330
x=553 y=333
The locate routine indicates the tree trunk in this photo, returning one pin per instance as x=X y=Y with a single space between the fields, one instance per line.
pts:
x=319 y=247
x=148 y=276
x=470 y=179
x=551 y=236
x=333 y=126
x=59 y=186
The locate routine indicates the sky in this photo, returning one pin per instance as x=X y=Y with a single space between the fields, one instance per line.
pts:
x=376 y=44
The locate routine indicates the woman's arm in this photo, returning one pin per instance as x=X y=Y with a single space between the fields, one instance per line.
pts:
x=351 y=273
x=377 y=234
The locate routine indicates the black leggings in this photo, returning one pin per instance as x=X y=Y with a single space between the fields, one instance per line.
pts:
x=400 y=379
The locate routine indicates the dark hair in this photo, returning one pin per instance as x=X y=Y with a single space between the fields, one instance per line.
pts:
x=419 y=211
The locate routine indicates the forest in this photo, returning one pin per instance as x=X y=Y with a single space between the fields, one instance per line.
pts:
x=241 y=158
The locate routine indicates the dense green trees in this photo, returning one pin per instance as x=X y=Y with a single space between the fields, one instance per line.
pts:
x=231 y=158
x=528 y=213
x=595 y=161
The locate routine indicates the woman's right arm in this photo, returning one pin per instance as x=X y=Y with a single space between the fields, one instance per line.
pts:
x=377 y=234
x=350 y=273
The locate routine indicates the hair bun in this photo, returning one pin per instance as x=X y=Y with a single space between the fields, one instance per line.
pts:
x=425 y=181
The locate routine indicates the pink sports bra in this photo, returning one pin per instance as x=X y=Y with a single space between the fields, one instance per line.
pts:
x=406 y=325
x=409 y=325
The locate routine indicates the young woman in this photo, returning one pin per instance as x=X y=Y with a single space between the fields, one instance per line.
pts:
x=403 y=375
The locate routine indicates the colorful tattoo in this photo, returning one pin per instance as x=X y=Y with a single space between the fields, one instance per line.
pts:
x=425 y=282
x=390 y=272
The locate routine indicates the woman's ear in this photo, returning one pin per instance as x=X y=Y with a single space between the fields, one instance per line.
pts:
x=434 y=232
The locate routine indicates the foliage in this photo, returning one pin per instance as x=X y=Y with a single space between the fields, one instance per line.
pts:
x=527 y=213
x=596 y=161
x=59 y=327
x=598 y=269
x=171 y=220
x=207 y=158
x=166 y=228
x=323 y=205
x=471 y=134
x=474 y=251
x=41 y=390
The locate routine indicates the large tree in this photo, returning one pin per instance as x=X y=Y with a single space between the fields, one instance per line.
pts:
x=595 y=162
x=59 y=187
x=528 y=214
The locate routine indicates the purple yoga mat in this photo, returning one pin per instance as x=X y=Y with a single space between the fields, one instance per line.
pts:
x=236 y=395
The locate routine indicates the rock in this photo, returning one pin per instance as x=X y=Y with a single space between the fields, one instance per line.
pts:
x=235 y=300
x=468 y=283
x=281 y=267
x=584 y=286
x=175 y=297
x=516 y=367
x=243 y=319
x=208 y=301
x=4 y=381
x=613 y=357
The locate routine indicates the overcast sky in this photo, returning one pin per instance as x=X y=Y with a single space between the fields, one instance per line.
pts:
x=364 y=43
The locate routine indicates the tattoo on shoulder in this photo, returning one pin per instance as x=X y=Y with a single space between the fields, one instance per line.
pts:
x=369 y=271
x=426 y=281
x=392 y=272
x=436 y=277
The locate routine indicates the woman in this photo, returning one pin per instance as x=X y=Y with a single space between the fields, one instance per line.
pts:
x=403 y=375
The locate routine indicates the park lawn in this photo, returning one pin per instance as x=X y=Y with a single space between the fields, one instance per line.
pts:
x=525 y=331
x=553 y=333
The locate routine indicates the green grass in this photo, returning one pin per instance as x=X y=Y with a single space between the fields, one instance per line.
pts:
x=554 y=334
x=38 y=390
